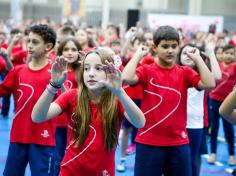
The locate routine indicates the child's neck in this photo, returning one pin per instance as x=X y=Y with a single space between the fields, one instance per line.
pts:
x=85 y=46
x=226 y=64
x=38 y=63
x=164 y=65
x=95 y=97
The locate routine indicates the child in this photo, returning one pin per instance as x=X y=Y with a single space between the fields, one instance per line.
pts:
x=93 y=112
x=136 y=94
x=162 y=145
x=195 y=101
x=69 y=48
x=216 y=97
x=30 y=142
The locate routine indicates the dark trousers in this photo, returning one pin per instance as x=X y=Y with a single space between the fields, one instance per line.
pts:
x=228 y=128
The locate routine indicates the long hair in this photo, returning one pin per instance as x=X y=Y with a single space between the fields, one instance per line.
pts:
x=107 y=108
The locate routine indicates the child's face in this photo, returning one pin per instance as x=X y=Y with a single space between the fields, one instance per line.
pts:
x=167 y=51
x=184 y=59
x=219 y=53
x=60 y=38
x=93 y=73
x=36 y=46
x=149 y=39
x=70 y=52
x=82 y=36
x=116 y=48
x=228 y=56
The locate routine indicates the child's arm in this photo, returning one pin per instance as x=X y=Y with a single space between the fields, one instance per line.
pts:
x=44 y=109
x=227 y=108
x=210 y=52
x=207 y=79
x=127 y=43
x=128 y=74
x=114 y=84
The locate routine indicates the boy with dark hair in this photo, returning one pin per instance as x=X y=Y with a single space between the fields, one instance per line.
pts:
x=162 y=144
x=30 y=142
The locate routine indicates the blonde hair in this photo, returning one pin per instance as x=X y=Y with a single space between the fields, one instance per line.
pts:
x=107 y=107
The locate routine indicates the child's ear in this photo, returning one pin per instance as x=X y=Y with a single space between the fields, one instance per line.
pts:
x=49 y=46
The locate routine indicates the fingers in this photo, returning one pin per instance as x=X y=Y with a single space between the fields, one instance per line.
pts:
x=110 y=67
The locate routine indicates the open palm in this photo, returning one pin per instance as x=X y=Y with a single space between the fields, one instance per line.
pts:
x=113 y=81
x=59 y=71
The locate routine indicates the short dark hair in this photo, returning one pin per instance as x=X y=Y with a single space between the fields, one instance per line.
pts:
x=165 y=33
x=15 y=31
x=227 y=47
x=46 y=32
x=67 y=30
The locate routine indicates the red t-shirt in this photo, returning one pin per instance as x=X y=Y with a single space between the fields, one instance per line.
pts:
x=165 y=103
x=27 y=85
x=19 y=57
x=71 y=80
x=91 y=158
x=135 y=91
x=2 y=65
x=226 y=84
x=147 y=59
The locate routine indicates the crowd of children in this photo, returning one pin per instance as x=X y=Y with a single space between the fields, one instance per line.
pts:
x=164 y=88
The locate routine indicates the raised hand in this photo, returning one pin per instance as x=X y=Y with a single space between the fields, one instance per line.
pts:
x=142 y=51
x=131 y=33
x=113 y=81
x=193 y=53
x=59 y=71
x=17 y=38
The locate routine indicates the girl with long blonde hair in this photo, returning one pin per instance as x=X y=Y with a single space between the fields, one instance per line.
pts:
x=94 y=110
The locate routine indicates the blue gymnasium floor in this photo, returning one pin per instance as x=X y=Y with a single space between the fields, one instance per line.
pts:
x=219 y=169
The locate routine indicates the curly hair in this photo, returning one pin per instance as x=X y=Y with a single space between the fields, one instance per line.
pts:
x=46 y=32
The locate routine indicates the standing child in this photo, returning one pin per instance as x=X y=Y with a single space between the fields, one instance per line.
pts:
x=30 y=142
x=162 y=144
x=195 y=101
x=93 y=111
x=216 y=97
x=68 y=48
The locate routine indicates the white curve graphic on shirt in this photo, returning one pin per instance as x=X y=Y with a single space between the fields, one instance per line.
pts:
x=83 y=149
x=21 y=94
x=171 y=112
x=223 y=82
x=125 y=86
x=72 y=120
x=27 y=85
x=69 y=83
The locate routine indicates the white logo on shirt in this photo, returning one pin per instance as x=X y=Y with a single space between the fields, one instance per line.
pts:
x=45 y=133
x=105 y=173
x=184 y=135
